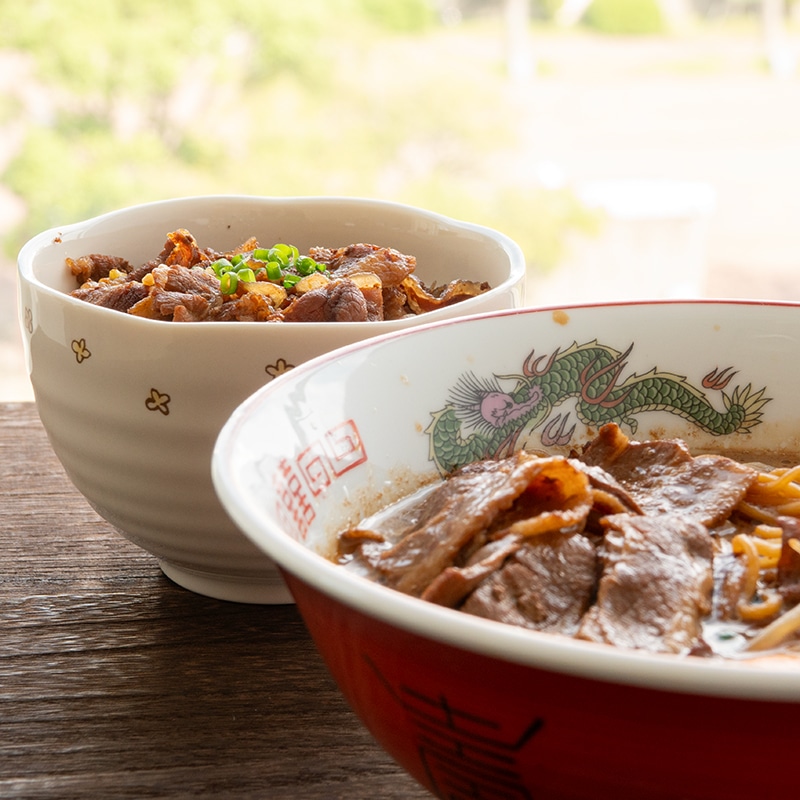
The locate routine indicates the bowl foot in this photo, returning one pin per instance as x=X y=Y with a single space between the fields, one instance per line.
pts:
x=266 y=589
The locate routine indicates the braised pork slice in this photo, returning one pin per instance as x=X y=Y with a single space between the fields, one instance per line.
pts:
x=391 y=266
x=181 y=250
x=656 y=584
x=337 y=301
x=250 y=307
x=422 y=299
x=95 y=266
x=192 y=290
x=610 y=496
x=663 y=477
x=522 y=495
x=547 y=584
x=119 y=296
x=453 y=584
x=730 y=577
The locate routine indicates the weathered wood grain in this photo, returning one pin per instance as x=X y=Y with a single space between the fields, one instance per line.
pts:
x=116 y=683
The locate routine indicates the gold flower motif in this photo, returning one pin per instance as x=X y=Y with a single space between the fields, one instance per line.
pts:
x=28 y=320
x=80 y=349
x=158 y=402
x=278 y=368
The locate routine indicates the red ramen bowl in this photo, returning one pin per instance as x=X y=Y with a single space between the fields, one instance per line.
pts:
x=477 y=708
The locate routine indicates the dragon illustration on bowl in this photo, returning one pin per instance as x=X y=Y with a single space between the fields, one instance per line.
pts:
x=491 y=417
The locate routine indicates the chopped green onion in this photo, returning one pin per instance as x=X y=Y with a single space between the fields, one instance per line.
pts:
x=281 y=263
x=274 y=270
x=221 y=265
x=285 y=254
x=228 y=282
x=306 y=265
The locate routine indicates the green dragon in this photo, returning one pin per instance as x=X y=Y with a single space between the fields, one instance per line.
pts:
x=498 y=417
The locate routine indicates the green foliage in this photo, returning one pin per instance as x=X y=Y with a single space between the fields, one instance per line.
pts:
x=626 y=17
x=400 y=16
x=143 y=47
x=64 y=178
x=147 y=100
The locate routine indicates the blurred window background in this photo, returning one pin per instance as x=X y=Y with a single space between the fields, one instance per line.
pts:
x=633 y=148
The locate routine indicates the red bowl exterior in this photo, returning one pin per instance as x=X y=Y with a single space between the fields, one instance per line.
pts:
x=470 y=726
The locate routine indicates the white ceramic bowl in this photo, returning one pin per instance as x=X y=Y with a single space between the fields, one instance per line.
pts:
x=133 y=406
x=470 y=706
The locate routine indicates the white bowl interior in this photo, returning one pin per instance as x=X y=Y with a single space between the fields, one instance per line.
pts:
x=341 y=436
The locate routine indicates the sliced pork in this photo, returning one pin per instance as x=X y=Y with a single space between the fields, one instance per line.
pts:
x=479 y=502
x=662 y=476
x=656 y=584
x=119 y=296
x=547 y=584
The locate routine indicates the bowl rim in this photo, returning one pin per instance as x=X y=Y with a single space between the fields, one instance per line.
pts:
x=595 y=661
x=25 y=257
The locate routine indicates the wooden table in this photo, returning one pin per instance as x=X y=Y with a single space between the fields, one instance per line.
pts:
x=115 y=682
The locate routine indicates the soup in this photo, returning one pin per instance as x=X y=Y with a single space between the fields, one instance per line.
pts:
x=633 y=544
